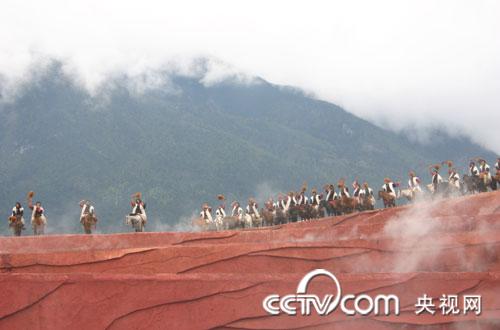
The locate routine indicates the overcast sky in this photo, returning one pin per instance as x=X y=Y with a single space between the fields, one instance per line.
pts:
x=419 y=63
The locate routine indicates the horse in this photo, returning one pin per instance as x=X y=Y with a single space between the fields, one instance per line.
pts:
x=38 y=224
x=17 y=225
x=388 y=199
x=495 y=181
x=88 y=222
x=231 y=222
x=367 y=202
x=280 y=216
x=336 y=206
x=293 y=214
x=471 y=184
x=485 y=181
x=317 y=211
x=137 y=221
x=348 y=204
x=267 y=216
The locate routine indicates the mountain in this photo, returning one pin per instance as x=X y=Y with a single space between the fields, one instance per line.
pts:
x=183 y=142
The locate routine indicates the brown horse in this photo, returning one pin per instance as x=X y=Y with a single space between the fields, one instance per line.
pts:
x=267 y=215
x=16 y=224
x=348 y=204
x=367 y=202
x=88 y=222
x=336 y=206
x=388 y=199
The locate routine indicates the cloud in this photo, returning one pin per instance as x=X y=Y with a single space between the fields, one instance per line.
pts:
x=413 y=64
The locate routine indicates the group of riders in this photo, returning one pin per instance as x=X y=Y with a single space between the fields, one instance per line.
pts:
x=137 y=218
x=293 y=206
x=296 y=206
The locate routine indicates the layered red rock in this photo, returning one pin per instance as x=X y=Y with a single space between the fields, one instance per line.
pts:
x=219 y=279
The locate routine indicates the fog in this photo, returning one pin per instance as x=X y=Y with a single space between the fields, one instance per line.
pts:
x=406 y=65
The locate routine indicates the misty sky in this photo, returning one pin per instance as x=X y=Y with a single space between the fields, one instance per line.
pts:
x=417 y=63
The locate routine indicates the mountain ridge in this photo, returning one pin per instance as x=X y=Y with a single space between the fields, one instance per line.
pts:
x=186 y=143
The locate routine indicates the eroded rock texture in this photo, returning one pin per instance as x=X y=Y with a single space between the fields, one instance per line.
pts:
x=219 y=279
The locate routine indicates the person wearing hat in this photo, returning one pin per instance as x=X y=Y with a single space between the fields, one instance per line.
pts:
x=357 y=190
x=366 y=194
x=473 y=171
x=290 y=201
x=291 y=207
x=253 y=209
x=17 y=217
x=343 y=190
x=484 y=172
x=496 y=179
x=237 y=211
x=301 y=199
x=206 y=213
x=87 y=208
x=454 y=178
x=366 y=190
x=414 y=183
x=330 y=196
x=220 y=212
x=137 y=217
x=315 y=198
x=390 y=187
x=279 y=204
x=436 y=179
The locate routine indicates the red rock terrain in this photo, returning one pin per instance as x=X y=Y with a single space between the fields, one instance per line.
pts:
x=219 y=279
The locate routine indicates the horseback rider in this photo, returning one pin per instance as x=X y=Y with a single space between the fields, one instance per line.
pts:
x=301 y=199
x=484 y=172
x=137 y=217
x=17 y=217
x=220 y=213
x=473 y=171
x=252 y=208
x=357 y=190
x=496 y=178
x=414 y=183
x=454 y=178
x=87 y=208
x=206 y=213
x=366 y=190
x=279 y=204
x=315 y=198
x=330 y=193
x=367 y=197
x=38 y=218
x=436 y=179
x=343 y=190
x=237 y=211
x=390 y=187
x=291 y=207
x=330 y=196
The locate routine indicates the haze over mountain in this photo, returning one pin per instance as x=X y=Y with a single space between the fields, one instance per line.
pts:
x=182 y=142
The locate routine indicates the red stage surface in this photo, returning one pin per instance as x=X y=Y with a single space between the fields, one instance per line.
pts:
x=219 y=279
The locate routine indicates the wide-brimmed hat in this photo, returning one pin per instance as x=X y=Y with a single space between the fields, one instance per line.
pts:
x=221 y=197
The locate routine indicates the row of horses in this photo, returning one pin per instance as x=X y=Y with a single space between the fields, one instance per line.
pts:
x=16 y=223
x=270 y=215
